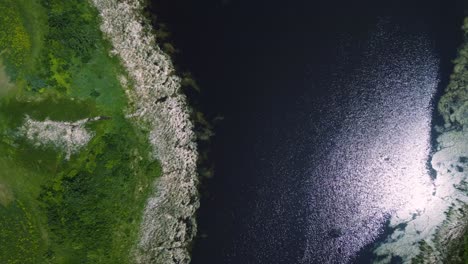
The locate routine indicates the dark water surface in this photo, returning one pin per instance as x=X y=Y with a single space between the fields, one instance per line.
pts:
x=327 y=120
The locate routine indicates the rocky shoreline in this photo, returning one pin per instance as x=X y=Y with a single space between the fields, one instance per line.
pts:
x=450 y=161
x=437 y=227
x=168 y=225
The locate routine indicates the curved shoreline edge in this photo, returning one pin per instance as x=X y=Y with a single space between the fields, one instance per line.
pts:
x=450 y=161
x=439 y=232
x=168 y=224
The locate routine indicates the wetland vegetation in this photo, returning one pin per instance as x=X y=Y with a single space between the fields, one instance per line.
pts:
x=85 y=209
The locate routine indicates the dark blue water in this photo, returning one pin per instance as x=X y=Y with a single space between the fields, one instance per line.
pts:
x=311 y=92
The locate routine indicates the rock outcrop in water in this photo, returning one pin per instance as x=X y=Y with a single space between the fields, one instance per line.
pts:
x=168 y=226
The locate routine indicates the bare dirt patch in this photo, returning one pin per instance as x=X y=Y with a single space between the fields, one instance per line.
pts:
x=5 y=84
x=6 y=196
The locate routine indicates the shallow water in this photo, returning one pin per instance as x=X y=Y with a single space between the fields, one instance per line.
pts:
x=327 y=121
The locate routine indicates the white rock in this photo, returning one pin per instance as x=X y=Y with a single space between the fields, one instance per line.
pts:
x=68 y=136
x=160 y=104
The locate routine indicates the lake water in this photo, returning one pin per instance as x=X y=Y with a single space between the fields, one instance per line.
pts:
x=327 y=129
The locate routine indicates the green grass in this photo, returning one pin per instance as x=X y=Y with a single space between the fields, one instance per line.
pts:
x=5 y=85
x=99 y=82
x=83 y=210
x=94 y=206
x=23 y=235
x=20 y=236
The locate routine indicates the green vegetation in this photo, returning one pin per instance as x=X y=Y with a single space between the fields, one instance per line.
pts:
x=448 y=245
x=91 y=205
x=452 y=105
x=55 y=64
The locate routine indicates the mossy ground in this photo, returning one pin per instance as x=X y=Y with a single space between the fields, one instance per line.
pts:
x=55 y=64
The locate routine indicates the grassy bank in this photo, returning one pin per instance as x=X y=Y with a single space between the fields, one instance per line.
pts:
x=55 y=65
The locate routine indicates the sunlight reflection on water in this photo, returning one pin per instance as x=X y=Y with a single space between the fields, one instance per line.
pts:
x=377 y=168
